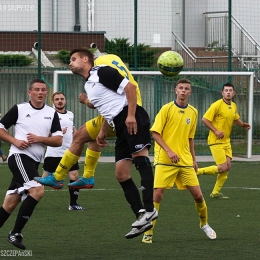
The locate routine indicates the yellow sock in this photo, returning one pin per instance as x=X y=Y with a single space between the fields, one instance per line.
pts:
x=210 y=170
x=202 y=211
x=67 y=161
x=221 y=179
x=91 y=161
x=150 y=232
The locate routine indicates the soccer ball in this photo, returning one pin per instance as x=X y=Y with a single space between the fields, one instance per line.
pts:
x=170 y=63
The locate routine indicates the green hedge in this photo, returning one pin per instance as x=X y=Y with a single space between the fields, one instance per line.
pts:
x=14 y=60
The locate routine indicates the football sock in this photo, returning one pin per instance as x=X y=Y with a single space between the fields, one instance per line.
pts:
x=210 y=170
x=3 y=216
x=150 y=231
x=67 y=161
x=24 y=213
x=221 y=179
x=74 y=194
x=91 y=161
x=132 y=195
x=143 y=165
x=202 y=211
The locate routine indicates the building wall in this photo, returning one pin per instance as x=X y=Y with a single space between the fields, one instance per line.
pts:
x=155 y=21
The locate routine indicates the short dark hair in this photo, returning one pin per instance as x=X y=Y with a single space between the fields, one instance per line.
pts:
x=183 y=80
x=84 y=52
x=36 y=81
x=57 y=93
x=228 y=84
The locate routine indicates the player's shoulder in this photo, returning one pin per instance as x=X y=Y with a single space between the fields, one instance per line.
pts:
x=194 y=109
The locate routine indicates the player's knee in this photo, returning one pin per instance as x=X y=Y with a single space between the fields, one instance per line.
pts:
x=223 y=168
x=141 y=162
x=157 y=195
x=37 y=192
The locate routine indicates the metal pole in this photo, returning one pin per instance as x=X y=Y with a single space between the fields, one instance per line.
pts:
x=135 y=34
x=39 y=40
x=77 y=23
x=229 y=35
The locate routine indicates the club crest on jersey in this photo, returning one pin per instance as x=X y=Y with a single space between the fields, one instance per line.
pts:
x=188 y=121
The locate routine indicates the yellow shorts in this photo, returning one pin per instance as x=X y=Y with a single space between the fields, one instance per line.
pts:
x=220 y=152
x=93 y=127
x=166 y=176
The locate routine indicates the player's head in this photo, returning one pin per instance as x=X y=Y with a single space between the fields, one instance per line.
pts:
x=59 y=100
x=228 y=84
x=33 y=82
x=37 y=92
x=81 y=61
x=183 y=89
x=228 y=92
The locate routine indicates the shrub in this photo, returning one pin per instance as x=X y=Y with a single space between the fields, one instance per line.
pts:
x=64 y=56
x=120 y=46
x=14 y=60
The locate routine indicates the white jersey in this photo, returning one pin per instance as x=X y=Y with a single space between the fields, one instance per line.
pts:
x=27 y=119
x=105 y=88
x=66 y=121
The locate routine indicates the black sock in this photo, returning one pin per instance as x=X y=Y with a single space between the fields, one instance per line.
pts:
x=24 y=213
x=74 y=194
x=143 y=165
x=132 y=195
x=3 y=216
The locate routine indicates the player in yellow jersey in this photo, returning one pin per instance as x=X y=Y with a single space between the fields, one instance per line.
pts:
x=174 y=156
x=219 y=119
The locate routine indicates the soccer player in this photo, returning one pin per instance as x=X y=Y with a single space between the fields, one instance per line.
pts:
x=111 y=91
x=36 y=125
x=219 y=119
x=53 y=155
x=174 y=156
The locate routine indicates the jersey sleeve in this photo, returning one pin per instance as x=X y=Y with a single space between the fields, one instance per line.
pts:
x=10 y=118
x=55 y=126
x=112 y=79
x=159 y=121
x=237 y=116
x=210 y=113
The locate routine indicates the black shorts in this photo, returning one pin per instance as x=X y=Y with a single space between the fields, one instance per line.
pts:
x=51 y=163
x=127 y=144
x=23 y=168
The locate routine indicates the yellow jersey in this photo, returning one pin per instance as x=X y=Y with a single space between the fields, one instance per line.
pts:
x=115 y=62
x=222 y=116
x=176 y=125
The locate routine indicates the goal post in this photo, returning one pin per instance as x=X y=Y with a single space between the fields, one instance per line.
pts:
x=249 y=88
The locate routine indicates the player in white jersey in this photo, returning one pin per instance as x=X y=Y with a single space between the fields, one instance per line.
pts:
x=36 y=125
x=53 y=155
x=117 y=102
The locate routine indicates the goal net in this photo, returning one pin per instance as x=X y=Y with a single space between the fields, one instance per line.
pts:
x=157 y=90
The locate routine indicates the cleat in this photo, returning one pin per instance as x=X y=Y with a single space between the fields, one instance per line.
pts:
x=136 y=231
x=148 y=239
x=83 y=183
x=211 y=234
x=145 y=217
x=4 y=158
x=50 y=181
x=218 y=196
x=16 y=240
x=76 y=207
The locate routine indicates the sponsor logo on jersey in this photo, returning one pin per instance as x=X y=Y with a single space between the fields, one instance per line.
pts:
x=182 y=111
x=28 y=115
x=47 y=117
